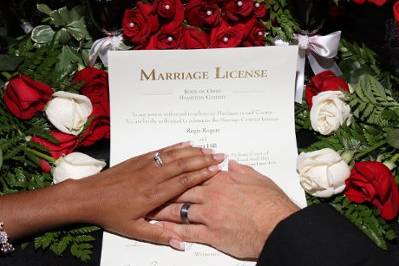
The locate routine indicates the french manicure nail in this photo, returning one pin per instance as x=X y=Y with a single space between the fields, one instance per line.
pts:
x=158 y=224
x=214 y=168
x=177 y=244
x=219 y=156
x=186 y=144
x=207 y=151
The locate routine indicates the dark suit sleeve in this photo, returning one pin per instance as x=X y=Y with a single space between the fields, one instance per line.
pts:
x=319 y=236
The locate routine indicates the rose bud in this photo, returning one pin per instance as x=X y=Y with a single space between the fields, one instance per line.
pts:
x=68 y=112
x=257 y=36
x=76 y=165
x=225 y=36
x=95 y=87
x=375 y=2
x=194 y=38
x=203 y=13
x=329 y=112
x=138 y=24
x=99 y=128
x=25 y=97
x=324 y=81
x=322 y=173
x=260 y=9
x=170 y=9
x=64 y=143
x=396 y=11
x=237 y=10
x=45 y=166
x=373 y=182
x=168 y=38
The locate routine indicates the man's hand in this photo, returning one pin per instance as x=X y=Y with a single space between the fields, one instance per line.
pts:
x=235 y=212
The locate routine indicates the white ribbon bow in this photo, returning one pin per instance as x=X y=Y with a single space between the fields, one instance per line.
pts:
x=320 y=51
x=101 y=47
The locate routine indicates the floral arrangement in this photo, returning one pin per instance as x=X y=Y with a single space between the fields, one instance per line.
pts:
x=209 y=24
x=56 y=103
x=52 y=105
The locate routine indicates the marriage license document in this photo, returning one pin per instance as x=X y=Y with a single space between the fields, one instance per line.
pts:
x=237 y=101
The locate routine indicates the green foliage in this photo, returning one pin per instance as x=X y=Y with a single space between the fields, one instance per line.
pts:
x=281 y=23
x=9 y=62
x=373 y=104
x=77 y=240
x=67 y=26
x=361 y=140
x=42 y=34
x=55 y=51
x=356 y=60
x=52 y=65
x=392 y=137
x=367 y=220
x=302 y=116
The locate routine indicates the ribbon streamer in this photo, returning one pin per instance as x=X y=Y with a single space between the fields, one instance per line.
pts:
x=320 y=51
x=101 y=47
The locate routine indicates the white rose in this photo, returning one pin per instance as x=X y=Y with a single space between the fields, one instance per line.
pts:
x=322 y=173
x=76 y=165
x=329 y=112
x=68 y=112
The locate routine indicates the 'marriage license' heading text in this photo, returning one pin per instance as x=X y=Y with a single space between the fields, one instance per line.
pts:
x=218 y=73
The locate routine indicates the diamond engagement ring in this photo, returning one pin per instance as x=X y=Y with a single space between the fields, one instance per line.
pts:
x=184 y=213
x=158 y=160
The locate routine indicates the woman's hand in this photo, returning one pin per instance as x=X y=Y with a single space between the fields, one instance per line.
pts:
x=123 y=195
x=117 y=199
x=235 y=212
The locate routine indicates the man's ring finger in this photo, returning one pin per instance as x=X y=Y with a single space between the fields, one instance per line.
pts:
x=184 y=213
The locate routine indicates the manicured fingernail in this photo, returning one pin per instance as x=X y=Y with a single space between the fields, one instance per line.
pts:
x=186 y=144
x=158 y=223
x=214 y=168
x=177 y=244
x=219 y=156
x=207 y=151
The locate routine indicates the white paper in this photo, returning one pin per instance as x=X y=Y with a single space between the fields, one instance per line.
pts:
x=249 y=116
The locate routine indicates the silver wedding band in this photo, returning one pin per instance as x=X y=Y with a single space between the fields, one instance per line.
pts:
x=158 y=160
x=184 y=213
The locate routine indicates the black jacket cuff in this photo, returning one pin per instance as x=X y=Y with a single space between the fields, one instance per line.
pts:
x=319 y=235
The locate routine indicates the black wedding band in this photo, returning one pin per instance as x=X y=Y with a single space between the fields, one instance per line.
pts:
x=158 y=160
x=184 y=213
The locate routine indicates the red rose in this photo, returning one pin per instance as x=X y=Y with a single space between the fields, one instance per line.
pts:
x=194 y=38
x=138 y=24
x=373 y=182
x=170 y=9
x=169 y=37
x=396 y=11
x=359 y=2
x=203 y=13
x=99 y=128
x=257 y=36
x=225 y=35
x=45 y=166
x=236 y=10
x=66 y=143
x=25 y=97
x=260 y=9
x=95 y=87
x=375 y=2
x=324 y=81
